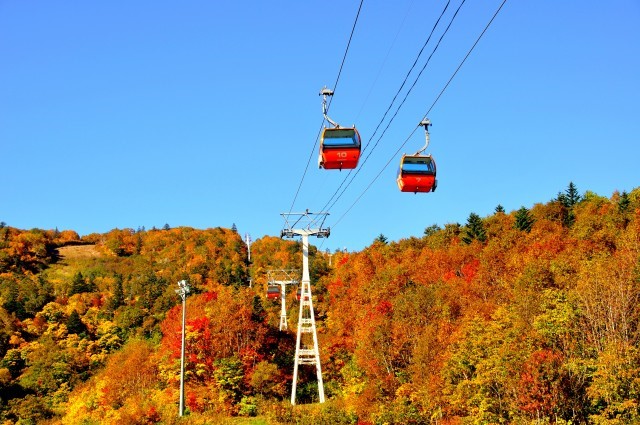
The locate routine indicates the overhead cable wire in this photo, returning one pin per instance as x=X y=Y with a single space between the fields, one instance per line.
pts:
x=413 y=67
x=427 y=113
x=384 y=61
x=405 y=97
x=328 y=205
x=344 y=58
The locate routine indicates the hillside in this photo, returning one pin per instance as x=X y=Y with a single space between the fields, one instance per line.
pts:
x=529 y=316
x=71 y=252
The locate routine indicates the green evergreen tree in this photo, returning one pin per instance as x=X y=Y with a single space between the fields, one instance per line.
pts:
x=74 y=324
x=257 y=310
x=91 y=283
x=573 y=196
x=623 y=208
x=624 y=202
x=432 y=230
x=117 y=297
x=152 y=289
x=474 y=229
x=38 y=294
x=499 y=209
x=382 y=239
x=78 y=284
x=14 y=361
x=12 y=300
x=569 y=199
x=234 y=228
x=138 y=248
x=524 y=221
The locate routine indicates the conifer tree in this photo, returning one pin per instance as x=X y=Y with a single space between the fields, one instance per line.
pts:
x=78 y=284
x=499 y=209
x=382 y=239
x=474 y=229
x=569 y=199
x=623 y=208
x=257 y=310
x=12 y=302
x=573 y=197
x=117 y=298
x=138 y=249
x=74 y=324
x=524 y=221
x=623 y=202
x=432 y=230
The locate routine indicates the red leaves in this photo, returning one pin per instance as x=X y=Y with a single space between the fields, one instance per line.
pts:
x=540 y=383
x=193 y=403
x=470 y=270
x=210 y=296
x=384 y=307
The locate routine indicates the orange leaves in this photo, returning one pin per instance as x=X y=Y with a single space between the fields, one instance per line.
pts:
x=24 y=251
x=529 y=326
x=128 y=373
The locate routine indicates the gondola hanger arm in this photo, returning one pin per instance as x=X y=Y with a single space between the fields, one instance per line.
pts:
x=324 y=93
x=425 y=123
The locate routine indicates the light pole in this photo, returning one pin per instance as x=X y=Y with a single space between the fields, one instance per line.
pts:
x=183 y=291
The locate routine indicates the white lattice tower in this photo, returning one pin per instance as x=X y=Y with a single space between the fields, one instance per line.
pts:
x=307 y=348
x=282 y=278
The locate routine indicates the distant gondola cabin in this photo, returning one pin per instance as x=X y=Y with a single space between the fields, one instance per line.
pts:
x=299 y=295
x=339 y=148
x=417 y=173
x=273 y=292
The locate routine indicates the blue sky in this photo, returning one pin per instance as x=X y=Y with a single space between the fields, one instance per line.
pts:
x=128 y=114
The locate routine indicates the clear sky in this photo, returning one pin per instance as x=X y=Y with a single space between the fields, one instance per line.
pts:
x=124 y=114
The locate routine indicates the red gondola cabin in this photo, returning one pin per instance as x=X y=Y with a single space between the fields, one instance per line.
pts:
x=273 y=292
x=339 y=148
x=299 y=295
x=417 y=173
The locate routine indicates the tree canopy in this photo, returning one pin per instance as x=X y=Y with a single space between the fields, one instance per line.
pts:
x=512 y=318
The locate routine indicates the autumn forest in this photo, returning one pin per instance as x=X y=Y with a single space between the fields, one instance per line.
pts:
x=528 y=316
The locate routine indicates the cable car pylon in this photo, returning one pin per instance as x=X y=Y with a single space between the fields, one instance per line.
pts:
x=307 y=352
x=282 y=278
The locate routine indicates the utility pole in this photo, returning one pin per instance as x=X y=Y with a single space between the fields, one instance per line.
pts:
x=182 y=291
x=247 y=239
x=282 y=278
x=307 y=352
